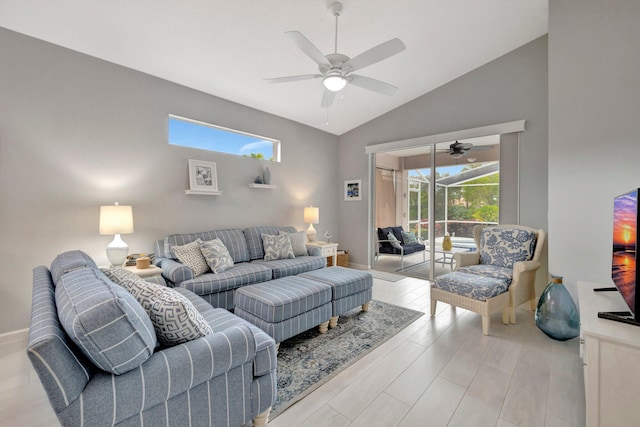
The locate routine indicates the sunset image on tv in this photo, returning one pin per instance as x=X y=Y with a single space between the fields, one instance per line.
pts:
x=623 y=267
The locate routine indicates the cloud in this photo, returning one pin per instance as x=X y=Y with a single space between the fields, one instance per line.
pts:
x=256 y=146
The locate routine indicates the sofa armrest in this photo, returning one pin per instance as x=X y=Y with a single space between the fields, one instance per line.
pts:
x=170 y=372
x=463 y=259
x=174 y=271
x=314 y=251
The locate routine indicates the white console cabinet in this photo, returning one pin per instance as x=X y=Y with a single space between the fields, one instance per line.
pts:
x=610 y=352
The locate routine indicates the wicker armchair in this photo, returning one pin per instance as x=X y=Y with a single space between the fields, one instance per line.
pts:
x=500 y=275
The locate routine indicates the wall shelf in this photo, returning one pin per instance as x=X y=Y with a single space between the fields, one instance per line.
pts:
x=263 y=186
x=203 y=193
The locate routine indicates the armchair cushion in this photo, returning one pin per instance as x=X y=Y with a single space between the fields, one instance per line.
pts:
x=504 y=247
x=492 y=271
x=104 y=321
x=470 y=285
x=382 y=236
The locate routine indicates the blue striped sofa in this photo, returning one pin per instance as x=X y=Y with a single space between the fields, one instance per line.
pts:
x=226 y=378
x=246 y=248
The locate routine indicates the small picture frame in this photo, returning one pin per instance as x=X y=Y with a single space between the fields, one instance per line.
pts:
x=353 y=189
x=203 y=176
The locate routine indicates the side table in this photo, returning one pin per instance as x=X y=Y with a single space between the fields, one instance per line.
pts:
x=328 y=249
x=152 y=271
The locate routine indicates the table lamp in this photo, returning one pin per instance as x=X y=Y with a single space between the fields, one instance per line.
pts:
x=116 y=220
x=311 y=216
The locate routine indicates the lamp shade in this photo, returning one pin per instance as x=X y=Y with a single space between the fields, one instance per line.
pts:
x=311 y=215
x=116 y=219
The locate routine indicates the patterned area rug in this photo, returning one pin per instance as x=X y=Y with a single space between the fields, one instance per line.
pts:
x=310 y=359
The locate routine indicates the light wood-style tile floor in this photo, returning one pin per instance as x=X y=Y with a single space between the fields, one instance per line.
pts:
x=439 y=371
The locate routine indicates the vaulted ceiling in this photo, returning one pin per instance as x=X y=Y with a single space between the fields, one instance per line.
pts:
x=228 y=48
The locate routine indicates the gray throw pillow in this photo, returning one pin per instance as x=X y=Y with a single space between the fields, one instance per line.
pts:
x=191 y=256
x=277 y=247
x=298 y=242
x=216 y=255
x=394 y=242
x=175 y=319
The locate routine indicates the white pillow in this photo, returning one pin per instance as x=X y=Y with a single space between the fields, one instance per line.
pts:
x=216 y=255
x=174 y=318
x=191 y=256
x=277 y=247
x=298 y=242
x=393 y=240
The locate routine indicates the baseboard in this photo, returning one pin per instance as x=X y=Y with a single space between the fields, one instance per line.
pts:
x=13 y=336
x=359 y=266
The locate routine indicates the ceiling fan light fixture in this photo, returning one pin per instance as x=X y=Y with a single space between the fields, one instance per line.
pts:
x=334 y=82
x=457 y=155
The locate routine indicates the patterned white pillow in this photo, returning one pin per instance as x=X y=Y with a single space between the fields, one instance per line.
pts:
x=174 y=318
x=298 y=242
x=119 y=274
x=191 y=256
x=277 y=247
x=216 y=255
x=393 y=240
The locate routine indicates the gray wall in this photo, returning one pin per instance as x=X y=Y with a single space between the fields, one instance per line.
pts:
x=512 y=87
x=77 y=132
x=594 y=130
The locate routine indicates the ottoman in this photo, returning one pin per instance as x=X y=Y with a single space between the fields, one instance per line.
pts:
x=285 y=307
x=350 y=288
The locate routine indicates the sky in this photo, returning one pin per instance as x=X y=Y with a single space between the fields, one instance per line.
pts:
x=624 y=219
x=195 y=135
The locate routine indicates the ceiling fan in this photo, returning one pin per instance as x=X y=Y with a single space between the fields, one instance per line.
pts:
x=459 y=149
x=336 y=69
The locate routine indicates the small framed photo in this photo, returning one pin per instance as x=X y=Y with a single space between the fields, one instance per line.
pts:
x=202 y=176
x=353 y=189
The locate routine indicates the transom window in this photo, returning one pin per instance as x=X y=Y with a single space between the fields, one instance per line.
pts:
x=195 y=134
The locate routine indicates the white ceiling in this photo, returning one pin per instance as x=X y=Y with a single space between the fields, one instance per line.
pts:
x=227 y=48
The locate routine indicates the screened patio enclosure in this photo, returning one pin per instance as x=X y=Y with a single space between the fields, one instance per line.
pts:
x=465 y=191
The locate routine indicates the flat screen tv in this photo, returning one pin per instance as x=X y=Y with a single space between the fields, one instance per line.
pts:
x=624 y=271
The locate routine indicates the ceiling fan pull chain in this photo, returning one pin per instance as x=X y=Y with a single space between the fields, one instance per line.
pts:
x=335 y=49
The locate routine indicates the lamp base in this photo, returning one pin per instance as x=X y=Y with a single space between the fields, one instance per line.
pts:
x=311 y=233
x=117 y=251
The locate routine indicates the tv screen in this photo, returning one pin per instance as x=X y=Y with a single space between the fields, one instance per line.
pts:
x=625 y=238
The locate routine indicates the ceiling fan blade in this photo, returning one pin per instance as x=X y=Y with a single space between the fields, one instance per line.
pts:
x=375 y=54
x=373 y=84
x=327 y=98
x=293 y=78
x=308 y=48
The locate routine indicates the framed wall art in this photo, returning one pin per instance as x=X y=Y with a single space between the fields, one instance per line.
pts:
x=203 y=177
x=353 y=189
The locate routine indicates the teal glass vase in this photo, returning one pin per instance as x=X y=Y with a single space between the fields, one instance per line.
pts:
x=556 y=314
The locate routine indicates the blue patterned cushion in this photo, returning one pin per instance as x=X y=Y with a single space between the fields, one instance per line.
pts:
x=472 y=286
x=486 y=270
x=216 y=255
x=104 y=321
x=173 y=316
x=277 y=247
x=409 y=237
x=506 y=246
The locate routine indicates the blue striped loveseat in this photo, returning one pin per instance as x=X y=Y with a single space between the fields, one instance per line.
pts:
x=247 y=251
x=225 y=378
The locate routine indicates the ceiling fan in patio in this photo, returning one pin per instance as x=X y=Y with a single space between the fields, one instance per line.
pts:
x=459 y=149
x=336 y=69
